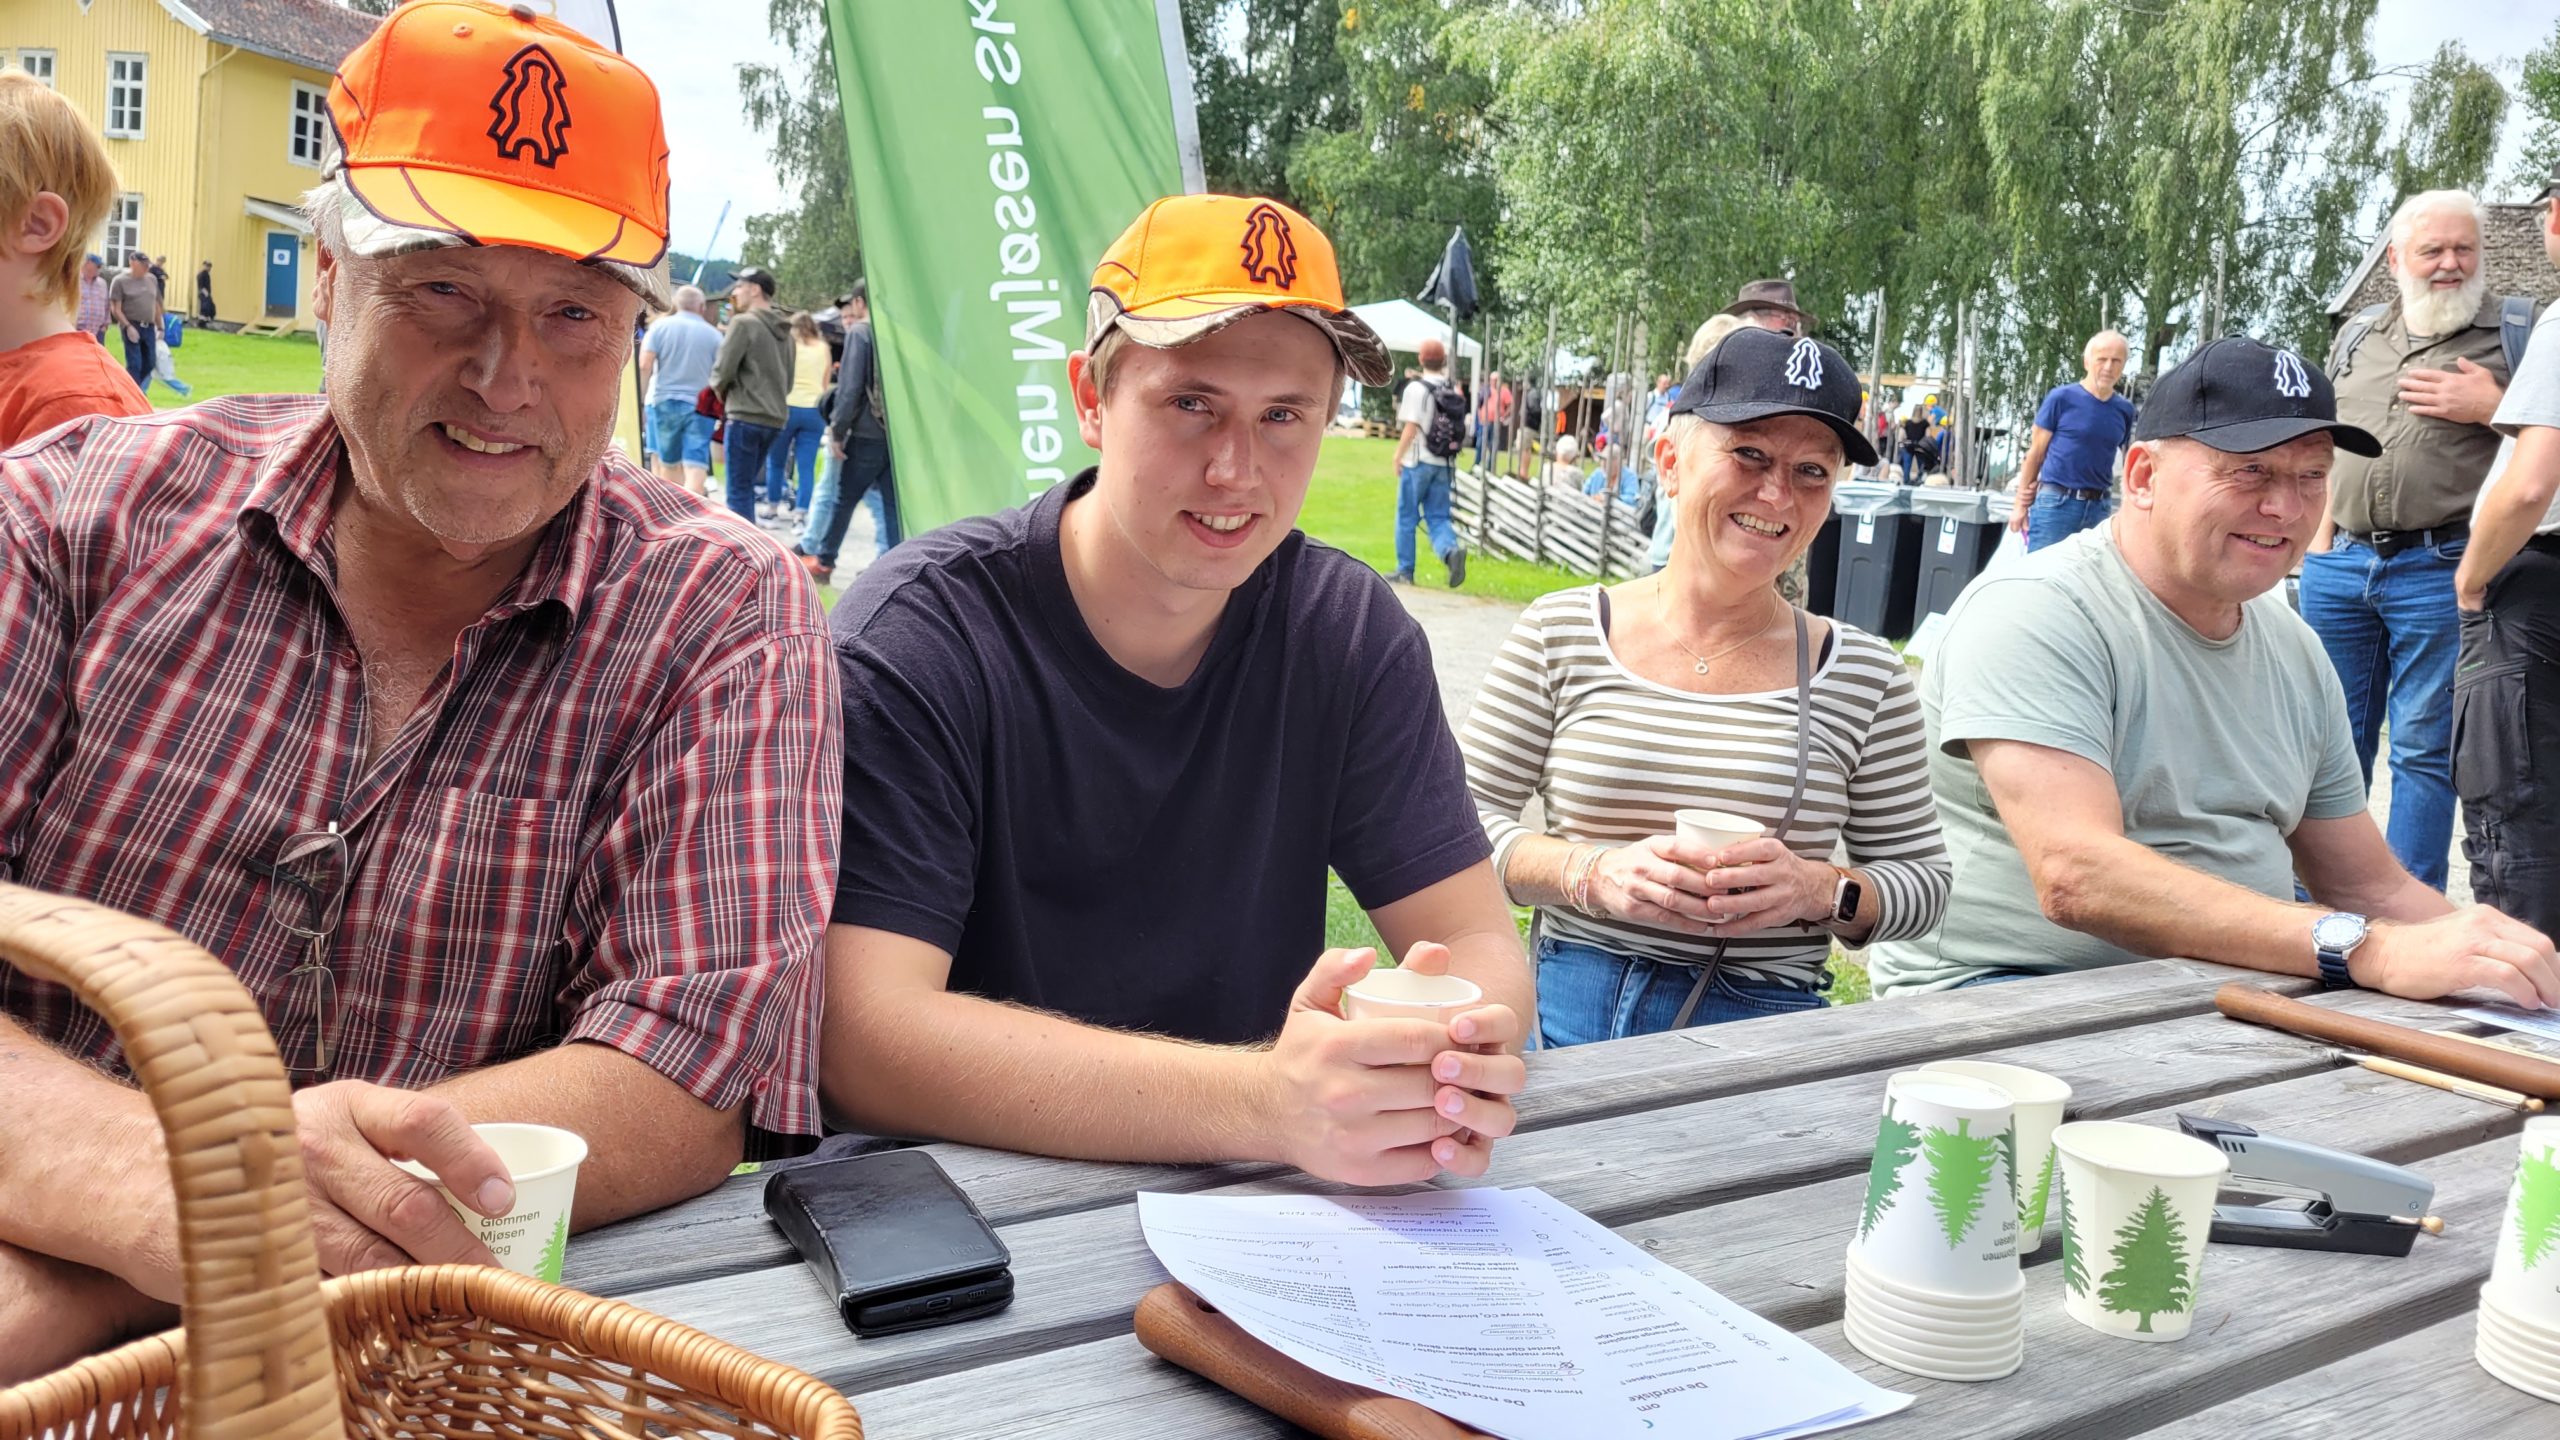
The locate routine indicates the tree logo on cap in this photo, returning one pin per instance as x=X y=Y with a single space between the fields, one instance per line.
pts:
x=2292 y=380
x=1804 y=365
x=1270 y=253
x=532 y=106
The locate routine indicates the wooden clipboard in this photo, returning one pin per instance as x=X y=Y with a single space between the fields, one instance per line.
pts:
x=1186 y=1330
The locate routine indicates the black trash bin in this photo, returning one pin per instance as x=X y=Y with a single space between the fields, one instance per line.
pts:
x=1822 y=568
x=1879 y=563
x=1959 y=533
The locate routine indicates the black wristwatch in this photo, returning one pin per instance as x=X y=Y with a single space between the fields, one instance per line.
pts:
x=1846 y=898
x=2334 y=937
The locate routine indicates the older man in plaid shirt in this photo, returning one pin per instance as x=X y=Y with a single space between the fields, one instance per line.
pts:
x=504 y=774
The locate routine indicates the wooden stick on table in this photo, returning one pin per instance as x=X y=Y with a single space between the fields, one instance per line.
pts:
x=2513 y=1100
x=2525 y=1074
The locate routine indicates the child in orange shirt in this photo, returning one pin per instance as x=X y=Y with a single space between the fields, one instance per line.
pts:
x=55 y=188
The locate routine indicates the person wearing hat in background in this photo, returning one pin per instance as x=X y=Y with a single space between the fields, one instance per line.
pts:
x=1700 y=686
x=1771 y=305
x=91 y=317
x=1104 y=747
x=2506 y=687
x=501 y=772
x=2138 y=746
x=752 y=376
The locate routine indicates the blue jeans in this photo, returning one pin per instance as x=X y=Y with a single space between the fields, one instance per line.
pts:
x=749 y=444
x=863 y=473
x=1911 y=466
x=1488 y=444
x=1994 y=977
x=2056 y=517
x=1586 y=993
x=677 y=436
x=882 y=502
x=1422 y=497
x=797 y=445
x=2393 y=633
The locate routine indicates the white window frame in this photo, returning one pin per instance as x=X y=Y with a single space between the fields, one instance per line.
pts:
x=124 y=231
x=134 y=114
x=317 y=112
x=26 y=59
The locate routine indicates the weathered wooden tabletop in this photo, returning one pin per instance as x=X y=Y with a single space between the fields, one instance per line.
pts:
x=1738 y=1153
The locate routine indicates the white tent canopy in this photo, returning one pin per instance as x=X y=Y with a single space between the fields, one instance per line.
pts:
x=1405 y=325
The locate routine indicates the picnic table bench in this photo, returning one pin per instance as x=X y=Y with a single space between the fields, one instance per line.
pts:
x=1737 y=1153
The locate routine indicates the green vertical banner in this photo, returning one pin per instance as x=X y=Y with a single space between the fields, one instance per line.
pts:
x=998 y=148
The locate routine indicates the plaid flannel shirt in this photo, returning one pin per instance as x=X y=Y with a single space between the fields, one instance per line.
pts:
x=93 y=306
x=613 y=817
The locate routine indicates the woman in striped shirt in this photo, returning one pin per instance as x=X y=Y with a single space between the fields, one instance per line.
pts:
x=1700 y=686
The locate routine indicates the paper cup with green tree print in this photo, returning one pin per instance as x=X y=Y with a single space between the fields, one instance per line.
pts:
x=532 y=1238
x=1940 y=1211
x=2038 y=1100
x=2137 y=1202
x=2524 y=1274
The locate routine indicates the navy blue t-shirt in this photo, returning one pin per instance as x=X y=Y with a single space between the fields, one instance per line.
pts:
x=2087 y=433
x=1085 y=841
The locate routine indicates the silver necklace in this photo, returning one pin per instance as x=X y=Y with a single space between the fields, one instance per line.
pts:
x=1703 y=661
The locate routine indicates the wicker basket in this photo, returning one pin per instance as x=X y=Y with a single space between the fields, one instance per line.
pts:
x=270 y=1352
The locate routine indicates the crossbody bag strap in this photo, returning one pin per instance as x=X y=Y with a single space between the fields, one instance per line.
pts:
x=1795 y=799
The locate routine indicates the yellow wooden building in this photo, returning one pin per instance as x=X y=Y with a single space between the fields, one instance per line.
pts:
x=214 y=112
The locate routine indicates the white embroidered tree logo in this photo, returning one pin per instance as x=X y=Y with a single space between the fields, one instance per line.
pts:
x=2292 y=381
x=1804 y=365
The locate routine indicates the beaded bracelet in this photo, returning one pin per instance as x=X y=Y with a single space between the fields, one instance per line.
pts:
x=1577 y=890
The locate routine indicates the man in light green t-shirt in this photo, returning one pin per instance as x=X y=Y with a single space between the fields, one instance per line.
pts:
x=2137 y=746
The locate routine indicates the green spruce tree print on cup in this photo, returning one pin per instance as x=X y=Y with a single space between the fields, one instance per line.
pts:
x=2147 y=1271
x=2537 y=1206
x=1896 y=1144
x=2031 y=1209
x=2074 y=1274
x=1959 y=1175
x=2009 y=1155
x=548 y=1266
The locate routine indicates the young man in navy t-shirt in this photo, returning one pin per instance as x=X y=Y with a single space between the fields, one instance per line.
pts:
x=1102 y=749
x=2071 y=464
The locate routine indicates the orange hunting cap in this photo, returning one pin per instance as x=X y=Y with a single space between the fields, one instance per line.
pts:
x=499 y=126
x=1194 y=263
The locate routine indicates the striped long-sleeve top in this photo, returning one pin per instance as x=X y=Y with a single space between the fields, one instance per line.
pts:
x=1613 y=754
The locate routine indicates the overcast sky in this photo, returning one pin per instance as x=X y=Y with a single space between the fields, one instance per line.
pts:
x=716 y=156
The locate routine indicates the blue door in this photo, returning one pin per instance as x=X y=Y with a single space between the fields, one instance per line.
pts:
x=284 y=268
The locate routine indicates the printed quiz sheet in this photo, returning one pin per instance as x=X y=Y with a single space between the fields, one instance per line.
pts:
x=1505 y=1309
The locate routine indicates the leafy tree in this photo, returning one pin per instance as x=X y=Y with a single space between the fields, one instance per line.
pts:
x=811 y=247
x=1960 y=1164
x=1264 y=74
x=2455 y=112
x=2075 y=1274
x=2539 y=89
x=2537 y=1206
x=2147 y=1271
x=1896 y=1144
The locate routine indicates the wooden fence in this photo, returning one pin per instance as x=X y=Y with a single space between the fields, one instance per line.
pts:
x=1586 y=534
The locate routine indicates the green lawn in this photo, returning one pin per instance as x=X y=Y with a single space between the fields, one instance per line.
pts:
x=1351 y=505
x=217 y=365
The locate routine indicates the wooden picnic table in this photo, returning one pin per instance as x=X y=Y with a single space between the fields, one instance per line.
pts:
x=1737 y=1153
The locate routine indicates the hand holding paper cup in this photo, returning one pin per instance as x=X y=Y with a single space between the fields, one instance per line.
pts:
x=2137 y=1202
x=1715 y=829
x=532 y=1238
x=1402 y=994
x=2038 y=1100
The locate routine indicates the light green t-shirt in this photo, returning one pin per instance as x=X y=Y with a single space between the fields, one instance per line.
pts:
x=2218 y=748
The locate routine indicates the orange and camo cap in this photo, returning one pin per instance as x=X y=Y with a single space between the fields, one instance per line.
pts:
x=1197 y=263
x=494 y=125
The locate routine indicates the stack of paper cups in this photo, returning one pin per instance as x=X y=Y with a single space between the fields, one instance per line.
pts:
x=1934 y=1287
x=2038 y=1100
x=2137 y=1203
x=2519 y=1340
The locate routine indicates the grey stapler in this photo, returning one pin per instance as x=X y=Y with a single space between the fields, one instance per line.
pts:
x=2322 y=1199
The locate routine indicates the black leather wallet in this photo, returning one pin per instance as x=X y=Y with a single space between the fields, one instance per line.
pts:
x=898 y=1245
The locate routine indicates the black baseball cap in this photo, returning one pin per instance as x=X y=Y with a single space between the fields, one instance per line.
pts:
x=757 y=276
x=2550 y=187
x=1755 y=374
x=2241 y=397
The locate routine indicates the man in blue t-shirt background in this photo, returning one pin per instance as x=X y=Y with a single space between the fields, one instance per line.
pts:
x=675 y=361
x=2071 y=465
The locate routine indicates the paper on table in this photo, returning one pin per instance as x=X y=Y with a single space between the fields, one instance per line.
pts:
x=1506 y=1310
x=2544 y=1023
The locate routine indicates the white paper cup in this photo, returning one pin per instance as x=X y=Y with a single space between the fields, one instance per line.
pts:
x=2535 y=1348
x=2524 y=1274
x=2136 y=1205
x=2520 y=1360
x=1978 y=1335
x=2038 y=1100
x=1399 y=994
x=1940 y=1211
x=1915 y=1361
x=2534 y=1332
x=1715 y=829
x=1957 y=1315
x=543 y=1162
